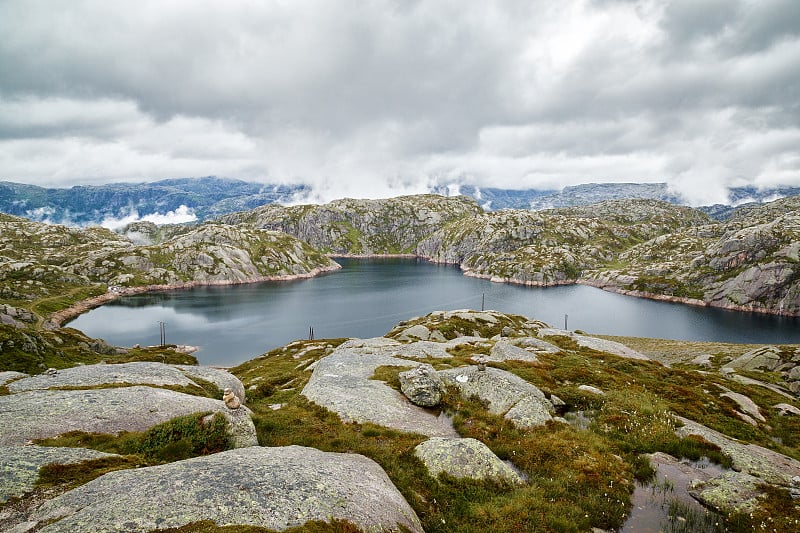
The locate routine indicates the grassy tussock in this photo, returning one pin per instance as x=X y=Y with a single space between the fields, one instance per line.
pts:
x=180 y=438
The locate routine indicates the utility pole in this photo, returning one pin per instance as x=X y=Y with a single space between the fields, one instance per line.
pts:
x=565 y=321
x=483 y=301
x=163 y=333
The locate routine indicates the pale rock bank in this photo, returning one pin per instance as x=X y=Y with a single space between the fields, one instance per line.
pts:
x=275 y=488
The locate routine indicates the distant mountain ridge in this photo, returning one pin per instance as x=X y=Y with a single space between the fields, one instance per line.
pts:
x=493 y=199
x=207 y=197
x=211 y=197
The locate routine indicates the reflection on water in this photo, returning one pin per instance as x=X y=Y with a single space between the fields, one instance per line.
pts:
x=368 y=297
x=665 y=505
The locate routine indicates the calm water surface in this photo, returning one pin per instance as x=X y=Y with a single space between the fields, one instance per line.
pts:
x=369 y=297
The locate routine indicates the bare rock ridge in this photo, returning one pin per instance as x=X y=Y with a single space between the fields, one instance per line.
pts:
x=645 y=248
x=362 y=227
x=56 y=261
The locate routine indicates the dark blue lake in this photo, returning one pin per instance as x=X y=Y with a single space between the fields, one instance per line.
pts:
x=369 y=297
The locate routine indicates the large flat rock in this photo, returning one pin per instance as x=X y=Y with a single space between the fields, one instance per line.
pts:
x=341 y=383
x=47 y=413
x=10 y=375
x=275 y=488
x=594 y=343
x=136 y=373
x=19 y=465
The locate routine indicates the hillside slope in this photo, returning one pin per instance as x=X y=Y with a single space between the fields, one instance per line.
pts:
x=362 y=227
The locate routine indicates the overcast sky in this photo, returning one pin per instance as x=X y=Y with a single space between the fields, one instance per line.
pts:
x=378 y=97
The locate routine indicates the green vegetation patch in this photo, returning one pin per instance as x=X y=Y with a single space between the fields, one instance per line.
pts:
x=180 y=438
x=33 y=351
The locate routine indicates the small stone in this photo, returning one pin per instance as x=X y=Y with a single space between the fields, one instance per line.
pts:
x=557 y=402
x=231 y=400
x=591 y=389
x=785 y=409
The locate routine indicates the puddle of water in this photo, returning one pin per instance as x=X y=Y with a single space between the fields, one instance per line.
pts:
x=579 y=419
x=665 y=505
x=445 y=419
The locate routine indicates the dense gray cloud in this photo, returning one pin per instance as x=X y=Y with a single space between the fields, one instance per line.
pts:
x=386 y=97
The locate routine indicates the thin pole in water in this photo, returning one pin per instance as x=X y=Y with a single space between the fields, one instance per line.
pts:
x=565 y=321
x=162 y=332
x=483 y=300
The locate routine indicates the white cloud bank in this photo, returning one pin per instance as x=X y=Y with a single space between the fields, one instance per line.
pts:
x=390 y=97
x=181 y=215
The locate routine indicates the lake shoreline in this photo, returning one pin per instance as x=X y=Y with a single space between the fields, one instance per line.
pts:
x=59 y=318
x=695 y=302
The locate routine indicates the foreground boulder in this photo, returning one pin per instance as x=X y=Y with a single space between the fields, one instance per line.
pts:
x=275 y=488
x=20 y=465
x=505 y=393
x=48 y=413
x=464 y=458
x=422 y=386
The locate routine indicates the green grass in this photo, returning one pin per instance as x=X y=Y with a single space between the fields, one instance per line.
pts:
x=180 y=438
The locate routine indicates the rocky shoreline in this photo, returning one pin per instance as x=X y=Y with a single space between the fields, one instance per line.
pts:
x=625 y=292
x=57 y=319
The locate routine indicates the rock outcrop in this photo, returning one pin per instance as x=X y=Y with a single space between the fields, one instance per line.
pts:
x=595 y=343
x=755 y=466
x=341 y=382
x=422 y=386
x=464 y=458
x=505 y=394
x=48 y=413
x=19 y=465
x=274 y=488
x=137 y=373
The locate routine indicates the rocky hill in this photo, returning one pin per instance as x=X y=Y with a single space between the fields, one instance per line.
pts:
x=750 y=262
x=645 y=248
x=362 y=227
x=57 y=265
